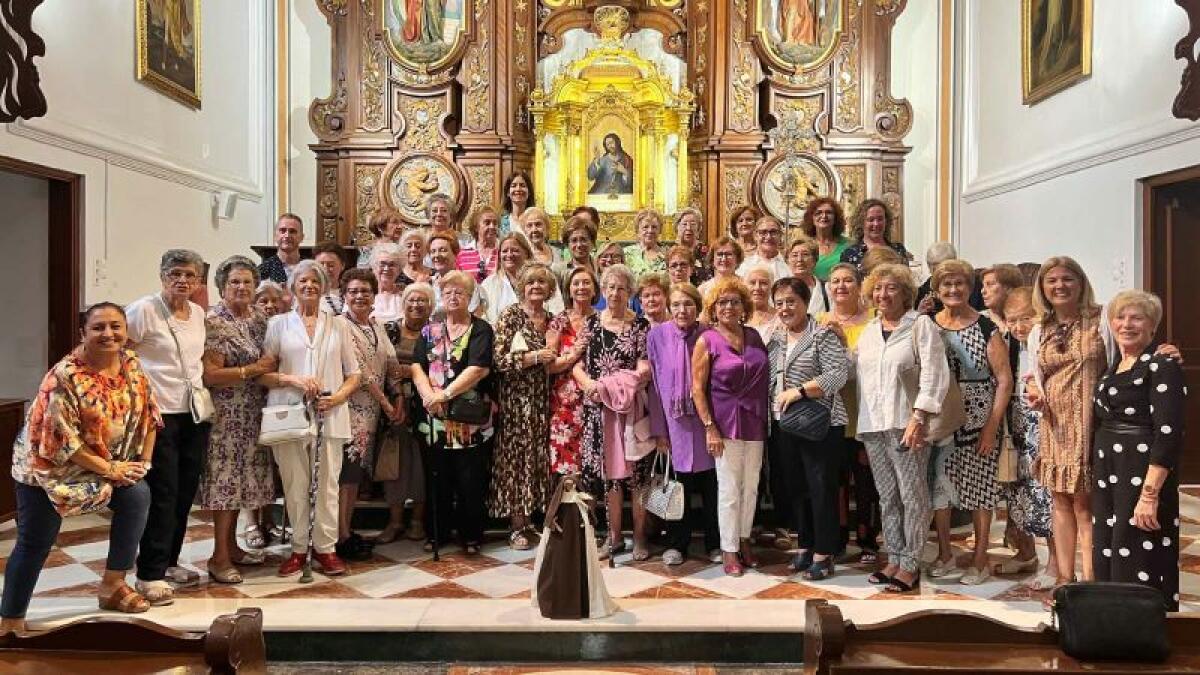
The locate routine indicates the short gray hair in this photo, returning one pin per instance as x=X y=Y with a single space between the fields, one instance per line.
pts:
x=617 y=270
x=692 y=211
x=269 y=286
x=304 y=267
x=385 y=249
x=438 y=197
x=939 y=252
x=227 y=267
x=179 y=257
x=418 y=287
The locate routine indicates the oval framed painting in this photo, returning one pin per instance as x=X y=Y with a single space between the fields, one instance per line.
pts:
x=798 y=35
x=426 y=35
x=409 y=182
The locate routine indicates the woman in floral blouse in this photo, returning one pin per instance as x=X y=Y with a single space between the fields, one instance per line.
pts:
x=566 y=399
x=87 y=444
x=646 y=255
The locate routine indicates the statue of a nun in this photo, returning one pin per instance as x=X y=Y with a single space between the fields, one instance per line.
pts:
x=567 y=583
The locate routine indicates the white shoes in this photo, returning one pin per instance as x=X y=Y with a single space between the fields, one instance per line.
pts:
x=157 y=593
x=975 y=576
x=943 y=568
x=672 y=557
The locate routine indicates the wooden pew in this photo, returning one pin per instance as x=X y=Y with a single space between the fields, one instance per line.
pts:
x=233 y=644
x=963 y=643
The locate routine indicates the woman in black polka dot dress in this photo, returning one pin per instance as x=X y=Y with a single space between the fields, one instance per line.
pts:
x=1139 y=412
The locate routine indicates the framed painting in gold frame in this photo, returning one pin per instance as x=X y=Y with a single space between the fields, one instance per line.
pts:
x=798 y=35
x=168 y=48
x=1056 y=46
x=427 y=35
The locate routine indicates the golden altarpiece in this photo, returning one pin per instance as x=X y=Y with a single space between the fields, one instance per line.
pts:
x=618 y=104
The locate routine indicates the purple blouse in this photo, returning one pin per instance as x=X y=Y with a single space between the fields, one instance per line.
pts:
x=737 y=385
x=672 y=414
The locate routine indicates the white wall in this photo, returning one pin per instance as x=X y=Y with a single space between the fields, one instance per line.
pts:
x=1060 y=177
x=24 y=341
x=309 y=60
x=915 y=77
x=150 y=164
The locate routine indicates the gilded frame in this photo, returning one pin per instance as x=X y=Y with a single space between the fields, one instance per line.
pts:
x=453 y=53
x=1032 y=92
x=146 y=72
x=762 y=40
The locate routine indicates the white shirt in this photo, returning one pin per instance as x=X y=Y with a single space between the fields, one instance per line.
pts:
x=388 y=307
x=883 y=405
x=499 y=294
x=328 y=356
x=150 y=335
x=778 y=266
x=817 y=303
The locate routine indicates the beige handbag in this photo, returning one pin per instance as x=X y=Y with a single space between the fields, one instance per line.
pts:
x=387 y=454
x=953 y=414
x=1006 y=463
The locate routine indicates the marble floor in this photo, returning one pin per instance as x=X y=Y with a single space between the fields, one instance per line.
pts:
x=402 y=588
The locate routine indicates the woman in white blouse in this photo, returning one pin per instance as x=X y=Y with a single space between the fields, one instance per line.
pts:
x=316 y=362
x=499 y=290
x=891 y=425
x=387 y=261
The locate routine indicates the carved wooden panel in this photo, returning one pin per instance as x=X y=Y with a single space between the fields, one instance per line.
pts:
x=327 y=201
x=420 y=122
x=366 y=200
x=1187 y=102
x=20 y=88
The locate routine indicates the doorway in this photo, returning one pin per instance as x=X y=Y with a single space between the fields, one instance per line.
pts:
x=1171 y=240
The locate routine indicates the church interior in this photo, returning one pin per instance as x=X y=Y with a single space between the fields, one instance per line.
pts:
x=1015 y=130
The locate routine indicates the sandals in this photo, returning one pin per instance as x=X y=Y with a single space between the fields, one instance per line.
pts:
x=783 y=540
x=1014 y=566
x=975 y=576
x=517 y=541
x=388 y=535
x=879 y=579
x=820 y=570
x=251 y=559
x=158 y=593
x=941 y=568
x=254 y=537
x=900 y=587
x=868 y=557
x=230 y=575
x=125 y=600
x=733 y=569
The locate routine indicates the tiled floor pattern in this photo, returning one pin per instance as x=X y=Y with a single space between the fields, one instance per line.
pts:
x=402 y=587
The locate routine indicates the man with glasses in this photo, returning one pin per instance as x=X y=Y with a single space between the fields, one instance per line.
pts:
x=289 y=232
x=768 y=233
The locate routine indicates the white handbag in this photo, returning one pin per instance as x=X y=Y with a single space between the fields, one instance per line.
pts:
x=286 y=424
x=664 y=498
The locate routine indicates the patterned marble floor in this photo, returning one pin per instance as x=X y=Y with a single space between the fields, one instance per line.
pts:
x=402 y=588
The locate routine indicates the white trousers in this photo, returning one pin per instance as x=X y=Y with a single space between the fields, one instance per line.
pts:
x=737 y=490
x=295 y=462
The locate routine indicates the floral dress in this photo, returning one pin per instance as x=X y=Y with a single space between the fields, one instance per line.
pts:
x=607 y=353
x=520 y=481
x=237 y=471
x=973 y=475
x=702 y=271
x=1028 y=500
x=378 y=364
x=566 y=404
x=635 y=260
x=444 y=359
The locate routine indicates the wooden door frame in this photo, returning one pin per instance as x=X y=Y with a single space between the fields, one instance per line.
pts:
x=65 y=234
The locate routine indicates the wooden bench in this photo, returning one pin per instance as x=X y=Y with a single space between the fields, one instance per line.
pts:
x=233 y=644
x=963 y=643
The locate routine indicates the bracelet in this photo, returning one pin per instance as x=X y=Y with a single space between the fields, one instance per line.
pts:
x=1149 y=491
x=242 y=372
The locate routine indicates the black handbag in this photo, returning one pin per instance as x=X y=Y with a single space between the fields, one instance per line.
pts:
x=469 y=408
x=807 y=418
x=1109 y=621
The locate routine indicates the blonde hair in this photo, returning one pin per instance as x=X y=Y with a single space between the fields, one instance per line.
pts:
x=534 y=213
x=809 y=245
x=880 y=255
x=1041 y=304
x=531 y=271
x=1017 y=299
x=657 y=279
x=894 y=272
x=1148 y=303
x=688 y=290
x=651 y=213
x=721 y=287
x=458 y=278
x=952 y=268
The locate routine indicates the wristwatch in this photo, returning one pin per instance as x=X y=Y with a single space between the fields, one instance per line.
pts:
x=710 y=424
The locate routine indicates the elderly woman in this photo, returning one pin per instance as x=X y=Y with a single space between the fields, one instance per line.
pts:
x=404 y=334
x=606 y=256
x=271 y=298
x=73 y=458
x=518 y=196
x=578 y=240
x=317 y=364
x=647 y=255
x=566 y=398
x=500 y=290
x=880 y=256
x=453 y=359
x=802 y=260
x=386 y=263
x=761 y=311
x=443 y=250
x=1139 y=406
x=689 y=223
x=769 y=233
x=439 y=210
x=825 y=224
x=680 y=265
x=873 y=222
x=237 y=472
x=413 y=269
x=380 y=372
x=480 y=255
x=520 y=477
x=892 y=425
x=848 y=315
x=996 y=282
x=652 y=291
x=741 y=229
x=730 y=374
x=808 y=362
x=614 y=365
x=676 y=427
x=536 y=226
x=385 y=226
x=727 y=256
x=167 y=332
x=978 y=358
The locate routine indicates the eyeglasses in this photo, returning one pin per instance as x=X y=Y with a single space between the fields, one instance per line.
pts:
x=770 y=233
x=725 y=254
x=678 y=265
x=359 y=291
x=387 y=265
x=823 y=213
x=729 y=302
x=453 y=292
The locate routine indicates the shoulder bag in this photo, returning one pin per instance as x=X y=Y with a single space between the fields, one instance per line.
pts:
x=953 y=414
x=469 y=407
x=200 y=400
x=291 y=422
x=807 y=418
x=1110 y=621
x=664 y=498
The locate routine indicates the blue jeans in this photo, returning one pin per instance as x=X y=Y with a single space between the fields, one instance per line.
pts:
x=37 y=528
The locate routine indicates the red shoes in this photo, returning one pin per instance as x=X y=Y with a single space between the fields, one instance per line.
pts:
x=292 y=565
x=329 y=564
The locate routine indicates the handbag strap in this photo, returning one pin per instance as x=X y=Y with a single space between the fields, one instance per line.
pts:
x=166 y=317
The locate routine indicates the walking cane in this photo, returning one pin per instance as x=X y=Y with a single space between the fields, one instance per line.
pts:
x=306 y=575
x=433 y=487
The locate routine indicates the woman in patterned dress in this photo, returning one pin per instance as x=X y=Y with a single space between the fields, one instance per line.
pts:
x=689 y=223
x=380 y=371
x=520 y=477
x=566 y=398
x=647 y=255
x=979 y=361
x=616 y=341
x=237 y=471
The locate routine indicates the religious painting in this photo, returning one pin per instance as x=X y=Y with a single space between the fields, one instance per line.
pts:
x=611 y=170
x=609 y=176
x=410 y=181
x=168 y=48
x=426 y=34
x=1056 y=46
x=785 y=185
x=799 y=33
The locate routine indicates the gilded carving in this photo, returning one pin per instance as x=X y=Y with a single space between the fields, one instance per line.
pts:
x=478 y=75
x=701 y=46
x=885 y=7
x=483 y=185
x=892 y=197
x=327 y=203
x=373 y=63
x=334 y=7
x=696 y=188
x=893 y=118
x=366 y=200
x=854 y=185
x=891 y=179
x=737 y=182
x=796 y=131
x=328 y=115
x=422 y=117
x=848 y=112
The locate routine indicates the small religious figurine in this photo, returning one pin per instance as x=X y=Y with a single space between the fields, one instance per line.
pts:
x=611 y=172
x=567 y=582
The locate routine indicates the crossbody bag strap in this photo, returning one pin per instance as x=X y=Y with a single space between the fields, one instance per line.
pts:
x=166 y=316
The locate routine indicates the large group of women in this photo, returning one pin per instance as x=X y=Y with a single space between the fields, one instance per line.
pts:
x=486 y=363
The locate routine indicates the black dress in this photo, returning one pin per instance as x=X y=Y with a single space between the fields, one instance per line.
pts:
x=1139 y=414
